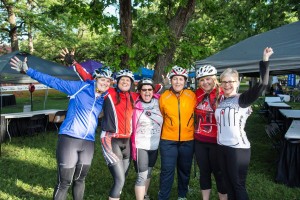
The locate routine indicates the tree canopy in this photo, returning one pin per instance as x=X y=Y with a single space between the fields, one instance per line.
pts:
x=157 y=34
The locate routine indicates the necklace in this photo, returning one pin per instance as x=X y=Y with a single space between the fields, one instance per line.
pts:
x=98 y=91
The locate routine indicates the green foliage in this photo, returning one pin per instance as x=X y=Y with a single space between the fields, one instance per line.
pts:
x=216 y=24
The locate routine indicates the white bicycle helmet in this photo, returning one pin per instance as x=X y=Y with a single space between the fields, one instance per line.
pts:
x=178 y=71
x=103 y=72
x=145 y=81
x=125 y=72
x=206 y=70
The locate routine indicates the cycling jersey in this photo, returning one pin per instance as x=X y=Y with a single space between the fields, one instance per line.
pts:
x=84 y=107
x=147 y=124
x=117 y=119
x=178 y=114
x=205 y=126
x=232 y=113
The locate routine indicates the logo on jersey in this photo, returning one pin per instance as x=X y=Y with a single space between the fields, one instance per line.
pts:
x=148 y=113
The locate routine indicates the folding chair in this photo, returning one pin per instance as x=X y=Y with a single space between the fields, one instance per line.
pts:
x=37 y=123
x=261 y=109
x=59 y=118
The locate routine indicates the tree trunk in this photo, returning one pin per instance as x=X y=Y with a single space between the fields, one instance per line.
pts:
x=30 y=7
x=13 y=34
x=176 y=26
x=126 y=29
x=30 y=39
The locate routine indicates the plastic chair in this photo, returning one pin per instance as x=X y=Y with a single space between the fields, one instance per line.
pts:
x=37 y=123
x=59 y=118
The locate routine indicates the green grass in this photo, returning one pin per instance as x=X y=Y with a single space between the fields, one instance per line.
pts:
x=28 y=168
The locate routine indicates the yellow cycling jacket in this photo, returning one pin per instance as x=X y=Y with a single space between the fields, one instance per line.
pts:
x=178 y=114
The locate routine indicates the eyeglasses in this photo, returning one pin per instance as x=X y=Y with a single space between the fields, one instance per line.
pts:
x=149 y=90
x=229 y=82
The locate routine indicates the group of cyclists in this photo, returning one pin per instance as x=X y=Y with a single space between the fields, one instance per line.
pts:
x=135 y=125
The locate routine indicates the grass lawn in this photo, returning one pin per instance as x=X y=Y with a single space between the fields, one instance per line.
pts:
x=28 y=165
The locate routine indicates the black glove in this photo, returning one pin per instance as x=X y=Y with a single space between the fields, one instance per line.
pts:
x=69 y=59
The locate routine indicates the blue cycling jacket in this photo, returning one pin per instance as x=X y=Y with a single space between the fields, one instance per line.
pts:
x=84 y=107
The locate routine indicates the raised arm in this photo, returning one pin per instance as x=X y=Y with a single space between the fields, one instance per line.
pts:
x=251 y=95
x=69 y=58
x=82 y=73
x=68 y=87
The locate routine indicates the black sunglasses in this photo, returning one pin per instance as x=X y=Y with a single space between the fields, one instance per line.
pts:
x=144 y=90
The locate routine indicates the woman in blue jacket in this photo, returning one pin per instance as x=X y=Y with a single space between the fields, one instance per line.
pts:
x=75 y=145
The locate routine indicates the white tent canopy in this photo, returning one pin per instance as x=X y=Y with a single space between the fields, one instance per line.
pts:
x=245 y=55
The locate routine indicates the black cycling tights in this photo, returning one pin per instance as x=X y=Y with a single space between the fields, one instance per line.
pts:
x=65 y=181
x=74 y=157
x=119 y=171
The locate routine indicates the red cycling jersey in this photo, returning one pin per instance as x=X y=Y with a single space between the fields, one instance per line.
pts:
x=117 y=119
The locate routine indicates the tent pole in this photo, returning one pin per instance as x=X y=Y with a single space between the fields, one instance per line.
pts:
x=1 y=96
x=46 y=95
x=31 y=101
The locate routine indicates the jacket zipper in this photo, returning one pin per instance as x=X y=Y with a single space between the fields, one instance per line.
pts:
x=126 y=114
x=89 y=126
x=179 y=119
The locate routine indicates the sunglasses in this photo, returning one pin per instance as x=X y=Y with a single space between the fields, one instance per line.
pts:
x=149 y=90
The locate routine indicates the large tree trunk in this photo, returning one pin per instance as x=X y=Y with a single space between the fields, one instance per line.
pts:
x=13 y=34
x=30 y=7
x=126 y=29
x=176 y=25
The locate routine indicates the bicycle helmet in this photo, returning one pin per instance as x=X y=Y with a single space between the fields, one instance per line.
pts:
x=125 y=72
x=206 y=70
x=178 y=71
x=145 y=81
x=103 y=72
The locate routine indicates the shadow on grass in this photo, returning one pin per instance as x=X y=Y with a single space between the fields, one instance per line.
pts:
x=24 y=180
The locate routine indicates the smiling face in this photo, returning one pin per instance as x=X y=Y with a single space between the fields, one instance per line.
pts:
x=229 y=85
x=229 y=82
x=124 y=83
x=146 y=93
x=178 y=83
x=102 y=84
x=207 y=83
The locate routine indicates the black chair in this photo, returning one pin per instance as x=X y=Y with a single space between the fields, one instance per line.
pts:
x=275 y=134
x=37 y=123
x=59 y=118
x=261 y=109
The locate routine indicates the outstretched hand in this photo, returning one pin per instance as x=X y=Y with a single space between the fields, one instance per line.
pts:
x=267 y=53
x=18 y=65
x=68 y=57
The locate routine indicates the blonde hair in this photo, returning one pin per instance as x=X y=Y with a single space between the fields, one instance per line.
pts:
x=216 y=81
x=230 y=72
x=218 y=90
x=214 y=77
